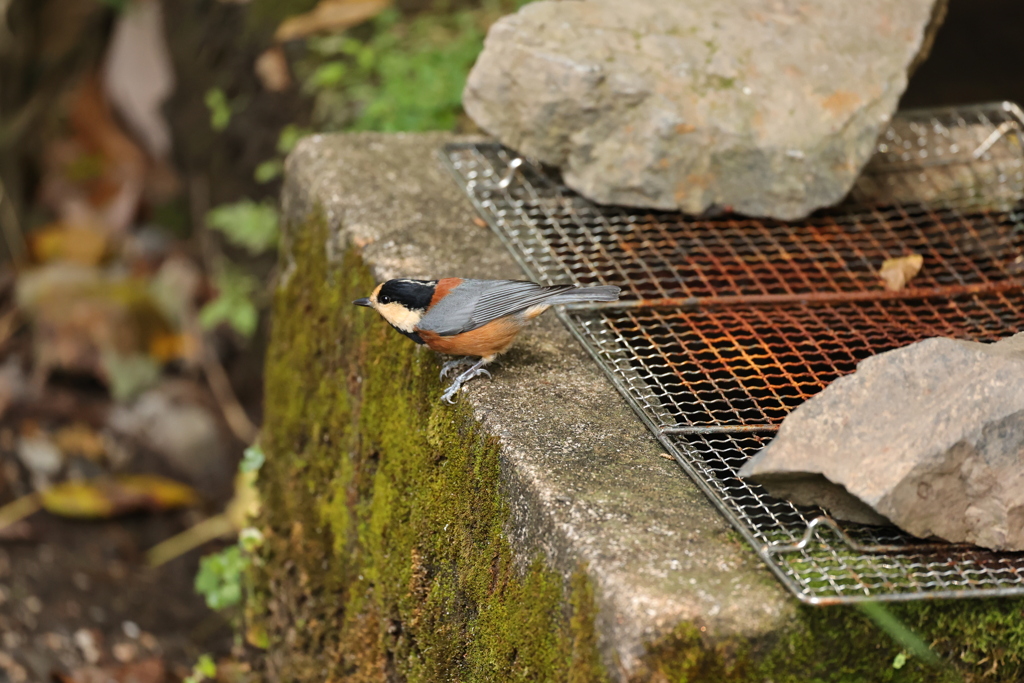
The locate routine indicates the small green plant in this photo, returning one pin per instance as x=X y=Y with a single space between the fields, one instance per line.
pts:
x=910 y=641
x=252 y=459
x=219 y=580
x=220 y=110
x=221 y=575
x=234 y=304
x=247 y=224
x=408 y=74
x=205 y=669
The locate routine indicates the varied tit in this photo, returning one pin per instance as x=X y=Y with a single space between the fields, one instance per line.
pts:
x=470 y=317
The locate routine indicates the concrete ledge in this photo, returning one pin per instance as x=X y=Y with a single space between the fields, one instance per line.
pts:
x=670 y=592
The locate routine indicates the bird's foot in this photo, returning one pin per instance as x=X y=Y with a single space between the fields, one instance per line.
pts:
x=475 y=371
x=453 y=364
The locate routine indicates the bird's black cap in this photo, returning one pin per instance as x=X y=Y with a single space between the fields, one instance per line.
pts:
x=413 y=294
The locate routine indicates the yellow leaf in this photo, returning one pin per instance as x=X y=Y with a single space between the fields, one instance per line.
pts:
x=166 y=347
x=329 y=16
x=78 y=499
x=103 y=498
x=80 y=439
x=82 y=244
x=162 y=493
x=897 y=272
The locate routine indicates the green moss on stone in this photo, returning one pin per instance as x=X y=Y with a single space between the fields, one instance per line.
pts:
x=384 y=513
x=978 y=640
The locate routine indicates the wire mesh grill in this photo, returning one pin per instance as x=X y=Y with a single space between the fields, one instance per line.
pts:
x=727 y=323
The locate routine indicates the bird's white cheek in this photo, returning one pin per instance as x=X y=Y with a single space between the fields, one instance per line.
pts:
x=401 y=317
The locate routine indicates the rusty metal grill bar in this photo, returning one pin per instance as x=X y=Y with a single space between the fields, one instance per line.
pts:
x=727 y=323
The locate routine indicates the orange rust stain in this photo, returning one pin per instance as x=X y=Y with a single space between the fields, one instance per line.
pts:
x=684 y=128
x=489 y=340
x=757 y=122
x=443 y=287
x=841 y=101
x=701 y=180
x=681 y=193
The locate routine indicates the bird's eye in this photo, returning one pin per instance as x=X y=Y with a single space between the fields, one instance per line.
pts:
x=384 y=299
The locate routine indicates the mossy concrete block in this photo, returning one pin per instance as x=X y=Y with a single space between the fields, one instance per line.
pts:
x=531 y=532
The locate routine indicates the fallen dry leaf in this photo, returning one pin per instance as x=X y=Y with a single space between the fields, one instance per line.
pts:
x=62 y=241
x=897 y=272
x=150 y=670
x=117 y=197
x=138 y=76
x=81 y=439
x=272 y=69
x=329 y=16
x=112 y=496
x=86 y=320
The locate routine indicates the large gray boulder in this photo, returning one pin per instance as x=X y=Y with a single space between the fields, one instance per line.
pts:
x=771 y=109
x=929 y=436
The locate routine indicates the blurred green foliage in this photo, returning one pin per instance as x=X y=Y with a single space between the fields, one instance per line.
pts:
x=234 y=304
x=219 y=580
x=220 y=111
x=398 y=73
x=205 y=669
x=404 y=76
x=247 y=224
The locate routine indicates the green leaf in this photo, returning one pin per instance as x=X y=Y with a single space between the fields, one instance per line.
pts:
x=219 y=579
x=289 y=137
x=326 y=76
x=220 y=110
x=129 y=375
x=898 y=631
x=899 y=661
x=252 y=459
x=233 y=305
x=206 y=666
x=268 y=170
x=246 y=224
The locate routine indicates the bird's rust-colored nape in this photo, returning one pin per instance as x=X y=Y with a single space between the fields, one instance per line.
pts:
x=444 y=286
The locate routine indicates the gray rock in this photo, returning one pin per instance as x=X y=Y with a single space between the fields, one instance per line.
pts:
x=929 y=436
x=769 y=108
x=975 y=170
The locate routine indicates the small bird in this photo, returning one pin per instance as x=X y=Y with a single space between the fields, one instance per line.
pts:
x=470 y=317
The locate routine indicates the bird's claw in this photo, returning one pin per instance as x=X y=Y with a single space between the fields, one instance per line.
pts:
x=451 y=365
x=475 y=371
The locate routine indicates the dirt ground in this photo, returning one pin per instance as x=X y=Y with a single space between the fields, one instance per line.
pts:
x=77 y=593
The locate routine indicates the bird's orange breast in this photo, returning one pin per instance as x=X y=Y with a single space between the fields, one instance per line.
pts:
x=488 y=340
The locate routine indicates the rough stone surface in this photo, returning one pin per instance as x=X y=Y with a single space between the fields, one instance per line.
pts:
x=769 y=108
x=929 y=436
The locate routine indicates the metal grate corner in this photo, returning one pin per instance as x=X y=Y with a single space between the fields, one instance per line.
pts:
x=727 y=323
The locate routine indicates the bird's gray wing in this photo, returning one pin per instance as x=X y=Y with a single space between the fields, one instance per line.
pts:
x=474 y=303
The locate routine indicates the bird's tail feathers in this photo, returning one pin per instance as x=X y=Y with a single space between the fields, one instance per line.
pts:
x=604 y=293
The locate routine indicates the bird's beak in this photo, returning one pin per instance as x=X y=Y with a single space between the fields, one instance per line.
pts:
x=363 y=302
